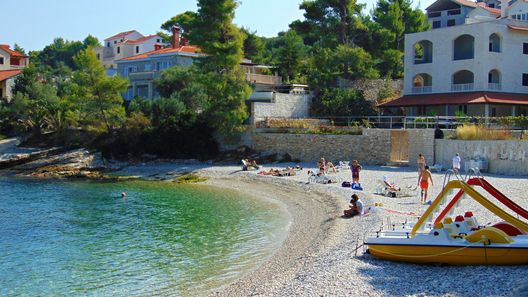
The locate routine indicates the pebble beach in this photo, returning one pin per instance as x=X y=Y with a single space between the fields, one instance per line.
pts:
x=322 y=254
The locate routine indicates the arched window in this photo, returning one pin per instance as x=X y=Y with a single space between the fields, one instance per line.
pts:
x=464 y=47
x=462 y=81
x=423 y=52
x=422 y=83
x=494 y=43
x=494 y=80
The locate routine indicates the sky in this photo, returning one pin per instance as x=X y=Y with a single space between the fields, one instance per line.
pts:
x=35 y=23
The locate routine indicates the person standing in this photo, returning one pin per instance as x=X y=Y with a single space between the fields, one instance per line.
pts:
x=421 y=163
x=423 y=182
x=455 y=163
x=355 y=168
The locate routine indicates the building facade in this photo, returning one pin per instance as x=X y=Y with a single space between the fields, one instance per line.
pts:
x=123 y=45
x=477 y=68
x=11 y=65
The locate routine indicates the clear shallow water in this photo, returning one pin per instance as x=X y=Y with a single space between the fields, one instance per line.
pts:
x=81 y=238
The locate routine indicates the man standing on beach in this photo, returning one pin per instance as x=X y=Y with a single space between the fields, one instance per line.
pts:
x=456 y=163
x=423 y=182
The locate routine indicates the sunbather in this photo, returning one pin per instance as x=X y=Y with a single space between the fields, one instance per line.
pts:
x=390 y=186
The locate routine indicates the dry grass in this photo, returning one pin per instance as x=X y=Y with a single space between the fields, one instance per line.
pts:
x=478 y=132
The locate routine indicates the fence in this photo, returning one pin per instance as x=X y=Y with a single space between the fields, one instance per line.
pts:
x=406 y=122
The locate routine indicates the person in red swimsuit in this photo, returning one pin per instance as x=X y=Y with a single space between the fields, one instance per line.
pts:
x=355 y=168
x=423 y=182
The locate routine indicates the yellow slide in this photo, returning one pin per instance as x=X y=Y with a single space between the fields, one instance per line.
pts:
x=456 y=184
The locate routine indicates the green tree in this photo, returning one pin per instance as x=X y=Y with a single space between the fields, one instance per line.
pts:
x=253 y=46
x=214 y=32
x=399 y=18
x=184 y=20
x=331 y=22
x=91 y=41
x=290 y=56
x=342 y=102
x=354 y=63
x=19 y=49
x=97 y=95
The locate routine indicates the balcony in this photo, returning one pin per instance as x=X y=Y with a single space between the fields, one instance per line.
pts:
x=462 y=87
x=494 y=86
x=144 y=75
x=422 y=90
x=263 y=79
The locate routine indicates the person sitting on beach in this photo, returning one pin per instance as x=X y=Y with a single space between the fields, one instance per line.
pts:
x=326 y=166
x=356 y=207
x=389 y=185
x=249 y=164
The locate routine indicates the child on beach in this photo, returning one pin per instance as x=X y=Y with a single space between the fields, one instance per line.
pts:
x=421 y=163
x=355 y=168
x=423 y=182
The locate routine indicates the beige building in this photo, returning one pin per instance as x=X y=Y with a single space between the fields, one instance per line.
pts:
x=11 y=65
x=124 y=45
x=478 y=68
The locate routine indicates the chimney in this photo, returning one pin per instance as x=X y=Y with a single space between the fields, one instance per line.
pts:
x=175 y=37
x=183 y=41
x=157 y=46
x=504 y=9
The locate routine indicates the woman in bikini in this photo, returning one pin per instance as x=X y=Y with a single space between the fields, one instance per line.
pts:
x=356 y=168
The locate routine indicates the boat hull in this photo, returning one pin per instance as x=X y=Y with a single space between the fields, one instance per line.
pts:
x=451 y=255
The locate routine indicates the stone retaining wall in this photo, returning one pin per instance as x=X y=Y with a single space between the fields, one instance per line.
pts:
x=373 y=147
x=283 y=106
x=504 y=156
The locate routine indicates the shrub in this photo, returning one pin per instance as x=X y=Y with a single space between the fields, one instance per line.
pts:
x=478 y=132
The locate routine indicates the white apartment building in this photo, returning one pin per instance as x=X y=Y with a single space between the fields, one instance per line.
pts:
x=124 y=45
x=479 y=68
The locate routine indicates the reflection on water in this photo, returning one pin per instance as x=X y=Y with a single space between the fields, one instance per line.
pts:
x=82 y=238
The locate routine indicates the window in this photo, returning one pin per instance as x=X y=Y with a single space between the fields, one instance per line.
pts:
x=108 y=44
x=1 y=60
x=115 y=41
x=491 y=5
x=137 y=49
x=437 y=24
x=525 y=48
x=148 y=67
x=158 y=40
x=450 y=23
x=1 y=92
x=118 y=49
x=493 y=112
x=98 y=56
x=525 y=79
x=434 y=14
x=453 y=12
x=462 y=108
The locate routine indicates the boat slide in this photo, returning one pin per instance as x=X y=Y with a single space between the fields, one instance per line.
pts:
x=480 y=181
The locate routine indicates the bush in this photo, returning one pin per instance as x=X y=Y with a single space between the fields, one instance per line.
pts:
x=478 y=132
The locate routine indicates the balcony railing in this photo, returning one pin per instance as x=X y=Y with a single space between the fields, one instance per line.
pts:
x=421 y=90
x=494 y=86
x=462 y=87
x=263 y=79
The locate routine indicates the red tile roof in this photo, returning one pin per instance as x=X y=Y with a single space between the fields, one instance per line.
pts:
x=140 y=40
x=182 y=49
x=494 y=11
x=5 y=74
x=122 y=34
x=466 y=3
x=520 y=28
x=458 y=98
x=11 y=52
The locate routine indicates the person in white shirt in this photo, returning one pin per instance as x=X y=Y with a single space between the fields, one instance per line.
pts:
x=356 y=207
x=456 y=163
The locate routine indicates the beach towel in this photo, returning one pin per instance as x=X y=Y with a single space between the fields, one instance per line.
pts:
x=357 y=187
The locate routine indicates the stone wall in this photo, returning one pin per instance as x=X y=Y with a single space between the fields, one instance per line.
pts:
x=421 y=141
x=282 y=106
x=372 y=87
x=504 y=156
x=373 y=147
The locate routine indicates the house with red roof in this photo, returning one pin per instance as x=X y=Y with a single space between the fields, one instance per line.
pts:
x=478 y=67
x=142 y=69
x=11 y=65
x=123 y=45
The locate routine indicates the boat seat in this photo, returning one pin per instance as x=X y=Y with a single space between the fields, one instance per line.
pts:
x=440 y=231
x=509 y=229
x=490 y=234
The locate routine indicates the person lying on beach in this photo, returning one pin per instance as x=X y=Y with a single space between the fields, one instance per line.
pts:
x=356 y=207
x=288 y=171
x=320 y=178
x=390 y=186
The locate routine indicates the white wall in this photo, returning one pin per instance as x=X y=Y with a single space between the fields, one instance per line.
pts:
x=7 y=61
x=511 y=62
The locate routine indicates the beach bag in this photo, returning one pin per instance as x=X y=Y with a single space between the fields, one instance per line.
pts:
x=345 y=184
x=357 y=186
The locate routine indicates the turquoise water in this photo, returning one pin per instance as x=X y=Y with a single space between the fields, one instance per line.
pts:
x=80 y=238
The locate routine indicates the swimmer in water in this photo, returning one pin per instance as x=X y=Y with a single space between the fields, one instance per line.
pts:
x=123 y=195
